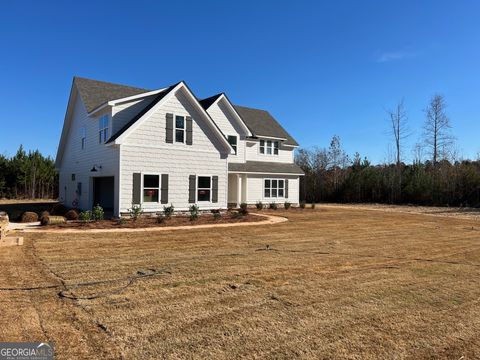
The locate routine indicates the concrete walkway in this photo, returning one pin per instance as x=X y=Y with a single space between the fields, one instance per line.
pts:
x=36 y=228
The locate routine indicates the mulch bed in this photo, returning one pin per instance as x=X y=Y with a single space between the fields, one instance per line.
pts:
x=146 y=222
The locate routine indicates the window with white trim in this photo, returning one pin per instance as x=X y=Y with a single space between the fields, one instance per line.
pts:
x=204 y=188
x=179 y=128
x=232 y=140
x=269 y=147
x=151 y=188
x=83 y=138
x=103 y=129
x=274 y=188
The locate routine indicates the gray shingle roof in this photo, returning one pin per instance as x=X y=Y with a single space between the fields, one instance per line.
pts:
x=95 y=93
x=266 y=167
x=260 y=122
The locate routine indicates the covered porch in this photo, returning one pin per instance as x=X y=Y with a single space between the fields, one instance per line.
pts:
x=237 y=189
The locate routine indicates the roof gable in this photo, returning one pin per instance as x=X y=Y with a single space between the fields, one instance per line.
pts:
x=95 y=93
x=261 y=123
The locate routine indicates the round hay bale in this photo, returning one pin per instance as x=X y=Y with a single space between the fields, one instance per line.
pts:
x=44 y=220
x=29 y=216
x=71 y=215
x=59 y=210
x=54 y=220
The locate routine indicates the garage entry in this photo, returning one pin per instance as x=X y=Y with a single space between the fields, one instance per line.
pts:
x=103 y=192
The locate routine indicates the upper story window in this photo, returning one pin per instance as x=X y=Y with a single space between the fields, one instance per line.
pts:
x=204 y=188
x=179 y=128
x=83 y=137
x=269 y=147
x=232 y=140
x=103 y=129
x=151 y=188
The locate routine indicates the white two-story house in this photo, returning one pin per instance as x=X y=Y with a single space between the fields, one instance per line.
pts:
x=122 y=145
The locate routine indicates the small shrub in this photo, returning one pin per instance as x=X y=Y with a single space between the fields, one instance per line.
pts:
x=44 y=213
x=259 y=205
x=273 y=206
x=302 y=204
x=135 y=212
x=59 y=209
x=85 y=215
x=71 y=215
x=287 y=205
x=29 y=216
x=312 y=206
x=194 y=211
x=217 y=215
x=168 y=211
x=44 y=220
x=121 y=221
x=97 y=213
x=243 y=209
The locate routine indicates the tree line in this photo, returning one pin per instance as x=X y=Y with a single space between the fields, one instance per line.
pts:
x=434 y=177
x=28 y=175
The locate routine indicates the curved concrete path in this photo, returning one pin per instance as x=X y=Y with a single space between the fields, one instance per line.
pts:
x=32 y=228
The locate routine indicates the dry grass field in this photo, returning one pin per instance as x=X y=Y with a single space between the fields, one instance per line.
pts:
x=336 y=283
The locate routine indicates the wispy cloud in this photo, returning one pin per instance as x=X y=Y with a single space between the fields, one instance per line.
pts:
x=395 y=56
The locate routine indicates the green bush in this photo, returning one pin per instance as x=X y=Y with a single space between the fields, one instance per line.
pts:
x=135 y=211
x=287 y=205
x=273 y=206
x=243 y=209
x=217 y=215
x=302 y=204
x=259 y=205
x=194 y=212
x=85 y=215
x=97 y=213
x=168 y=211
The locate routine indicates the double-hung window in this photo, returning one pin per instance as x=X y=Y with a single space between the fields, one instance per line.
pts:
x=274 y=188
x=269 y=147
x=204 y=188
x=232 y=140
x=83 y=137
x=151 y=188
x=179 y=128
x=103 y=129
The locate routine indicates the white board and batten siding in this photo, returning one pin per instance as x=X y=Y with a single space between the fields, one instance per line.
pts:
x=146 y=151
x=78 y=161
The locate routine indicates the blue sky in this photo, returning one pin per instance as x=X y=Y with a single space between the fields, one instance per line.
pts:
x=320 y=67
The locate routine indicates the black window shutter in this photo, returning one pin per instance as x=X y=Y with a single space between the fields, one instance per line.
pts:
x=169 y=128
x=214 y=189
x=164 y=189
x=189 y=140
x=191 y=188
x=286 y=188
x=137 y=188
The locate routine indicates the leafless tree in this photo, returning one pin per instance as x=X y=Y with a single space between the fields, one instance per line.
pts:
x=437 y=135
x=399 y=128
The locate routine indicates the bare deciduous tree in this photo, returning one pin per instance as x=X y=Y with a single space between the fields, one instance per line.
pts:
x=399 y=128
x=437 y=127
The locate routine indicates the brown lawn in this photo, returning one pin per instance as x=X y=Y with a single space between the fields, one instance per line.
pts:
x=343 y=283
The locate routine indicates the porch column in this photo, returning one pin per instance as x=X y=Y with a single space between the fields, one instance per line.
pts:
x=239 y=189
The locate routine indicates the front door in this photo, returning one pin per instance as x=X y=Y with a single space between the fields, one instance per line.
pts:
x=103 y=192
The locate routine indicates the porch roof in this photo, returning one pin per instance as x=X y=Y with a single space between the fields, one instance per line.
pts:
x=263 y=167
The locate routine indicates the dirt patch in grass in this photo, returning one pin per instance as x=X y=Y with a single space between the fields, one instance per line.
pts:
x=328 y=284
x=148 y=222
